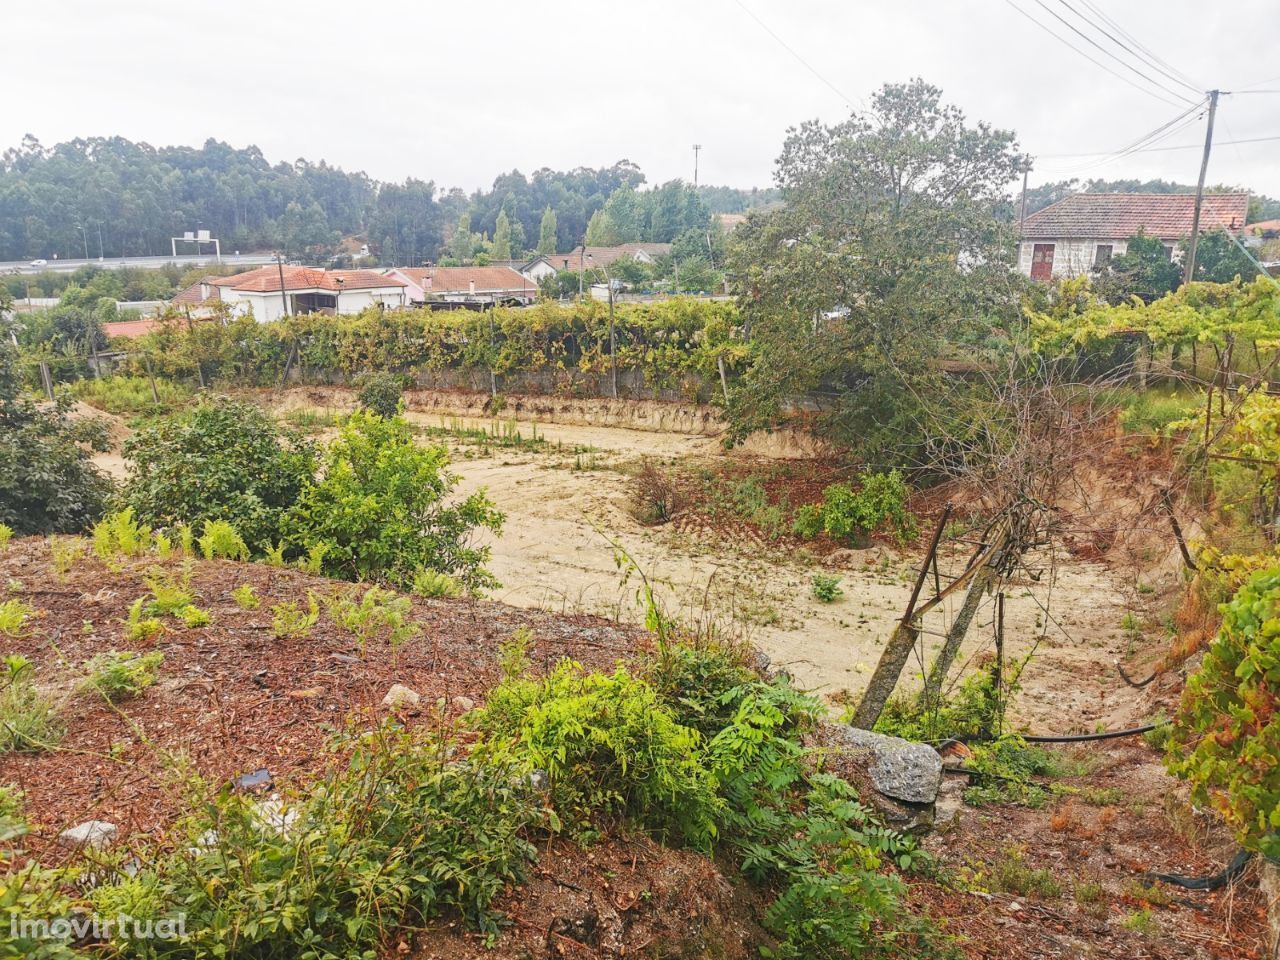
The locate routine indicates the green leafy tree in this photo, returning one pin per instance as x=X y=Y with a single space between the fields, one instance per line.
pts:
x=380 y=509
x=547 y=232
x=221 y=460
x=888 y=251
x=1219 y=260
x=1146 y=270
x=463 y=245
x=600 y=232
x=501 y=248
x=48 y=484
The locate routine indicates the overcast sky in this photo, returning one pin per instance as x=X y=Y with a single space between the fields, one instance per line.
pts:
x=459 y=92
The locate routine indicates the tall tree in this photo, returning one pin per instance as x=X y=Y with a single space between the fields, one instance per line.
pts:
x=501 y=249
x=547 y=232
x=887 y=250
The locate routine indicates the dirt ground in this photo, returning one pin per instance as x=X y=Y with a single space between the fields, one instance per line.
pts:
x=566 y=490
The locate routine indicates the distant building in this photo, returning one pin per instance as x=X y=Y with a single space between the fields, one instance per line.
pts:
x=303 y=290
x=1083 y=231
x=534 y=269
x=466 y=285
x=585 y=258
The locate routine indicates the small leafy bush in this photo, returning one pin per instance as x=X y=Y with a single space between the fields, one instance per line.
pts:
x=6 y=534
x=29 y=718
x=221 y=541
x=246 y=597
x=1226 y=733
x=121 y=534
x=65 y=552
x=250 y=471
x=826 y=588
x=14 y=615
x=609 y=747
x=169 y=595
x=288 y=620
x=378 y=613
x=432 y=583
x=121 y=676
x=851 y=517
x=380 y=394
x=380 y=511
x=139 y=627
x=387 y=840
x=194 y=617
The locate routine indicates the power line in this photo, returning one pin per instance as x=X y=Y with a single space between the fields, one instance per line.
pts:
x=1094 y=61
x=1181 y=146
x=848 y=101
x=1151 y=57
x=1088 y=39
x=1166 y=129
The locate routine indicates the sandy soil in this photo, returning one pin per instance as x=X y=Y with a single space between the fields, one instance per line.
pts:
x=566 y=501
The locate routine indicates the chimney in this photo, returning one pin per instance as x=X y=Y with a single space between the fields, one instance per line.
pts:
x=471 y=287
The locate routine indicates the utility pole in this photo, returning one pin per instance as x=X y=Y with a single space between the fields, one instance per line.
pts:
x=1204 y=166
x=696 y=148
x=1022 y=217
x=284 y=299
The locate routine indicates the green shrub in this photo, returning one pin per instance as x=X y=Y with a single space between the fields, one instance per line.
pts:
x=194 y=617
x=1226 y=734
x=380 y=393
x=48 y=484
x=14 y=615
x=609 y=747
x=121 y=676
x=384 y=842
x=432 y=583
x=379 y=509
x=121 y=534
x=378 y=613
x=851 y=517
x=826 y=588
x=220 y=540
x=169 y=595
x=221 y=460
x=29 y=718
x=6 y=534
x=131 y=396
x=139 y=627
x=246 y=597
x=288 y=619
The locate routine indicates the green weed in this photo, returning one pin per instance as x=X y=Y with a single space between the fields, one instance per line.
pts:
x=121 y=676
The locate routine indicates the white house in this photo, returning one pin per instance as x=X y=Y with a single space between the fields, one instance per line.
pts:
x=534 y=269
x=1083 y=231
x=304 y=290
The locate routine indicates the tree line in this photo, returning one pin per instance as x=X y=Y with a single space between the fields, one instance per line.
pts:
x=111 y=197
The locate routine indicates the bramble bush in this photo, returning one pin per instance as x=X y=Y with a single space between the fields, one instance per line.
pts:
x=380 y=510
x=380 y=393
x=221 y=460
x=849 y=516
x=1226 y=734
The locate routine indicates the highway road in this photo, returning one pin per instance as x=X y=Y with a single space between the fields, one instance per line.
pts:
x=116 y=263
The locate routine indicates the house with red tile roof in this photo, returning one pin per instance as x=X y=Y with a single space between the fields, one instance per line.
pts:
x=466 y=285
x=271 y=292
x=1083 y=231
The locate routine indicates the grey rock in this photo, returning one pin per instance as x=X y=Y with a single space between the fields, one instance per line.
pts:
x=92 y=834
x=464 y=704
x=400 y=696
x=900 y=769
x=538 y=780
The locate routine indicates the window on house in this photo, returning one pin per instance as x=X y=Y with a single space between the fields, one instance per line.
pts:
x=1102 y=254
x=1168 y=252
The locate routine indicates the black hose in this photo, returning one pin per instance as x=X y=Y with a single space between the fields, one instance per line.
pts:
x=1212 y=882
x=1063 y=738
x=1138 y=684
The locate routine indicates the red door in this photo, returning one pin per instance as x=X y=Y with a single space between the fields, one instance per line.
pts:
x=1042 y=262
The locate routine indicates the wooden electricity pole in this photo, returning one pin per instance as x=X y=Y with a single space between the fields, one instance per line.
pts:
x=1204 y=167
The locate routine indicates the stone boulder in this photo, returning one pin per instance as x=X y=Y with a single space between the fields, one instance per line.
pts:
x=899 y=778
